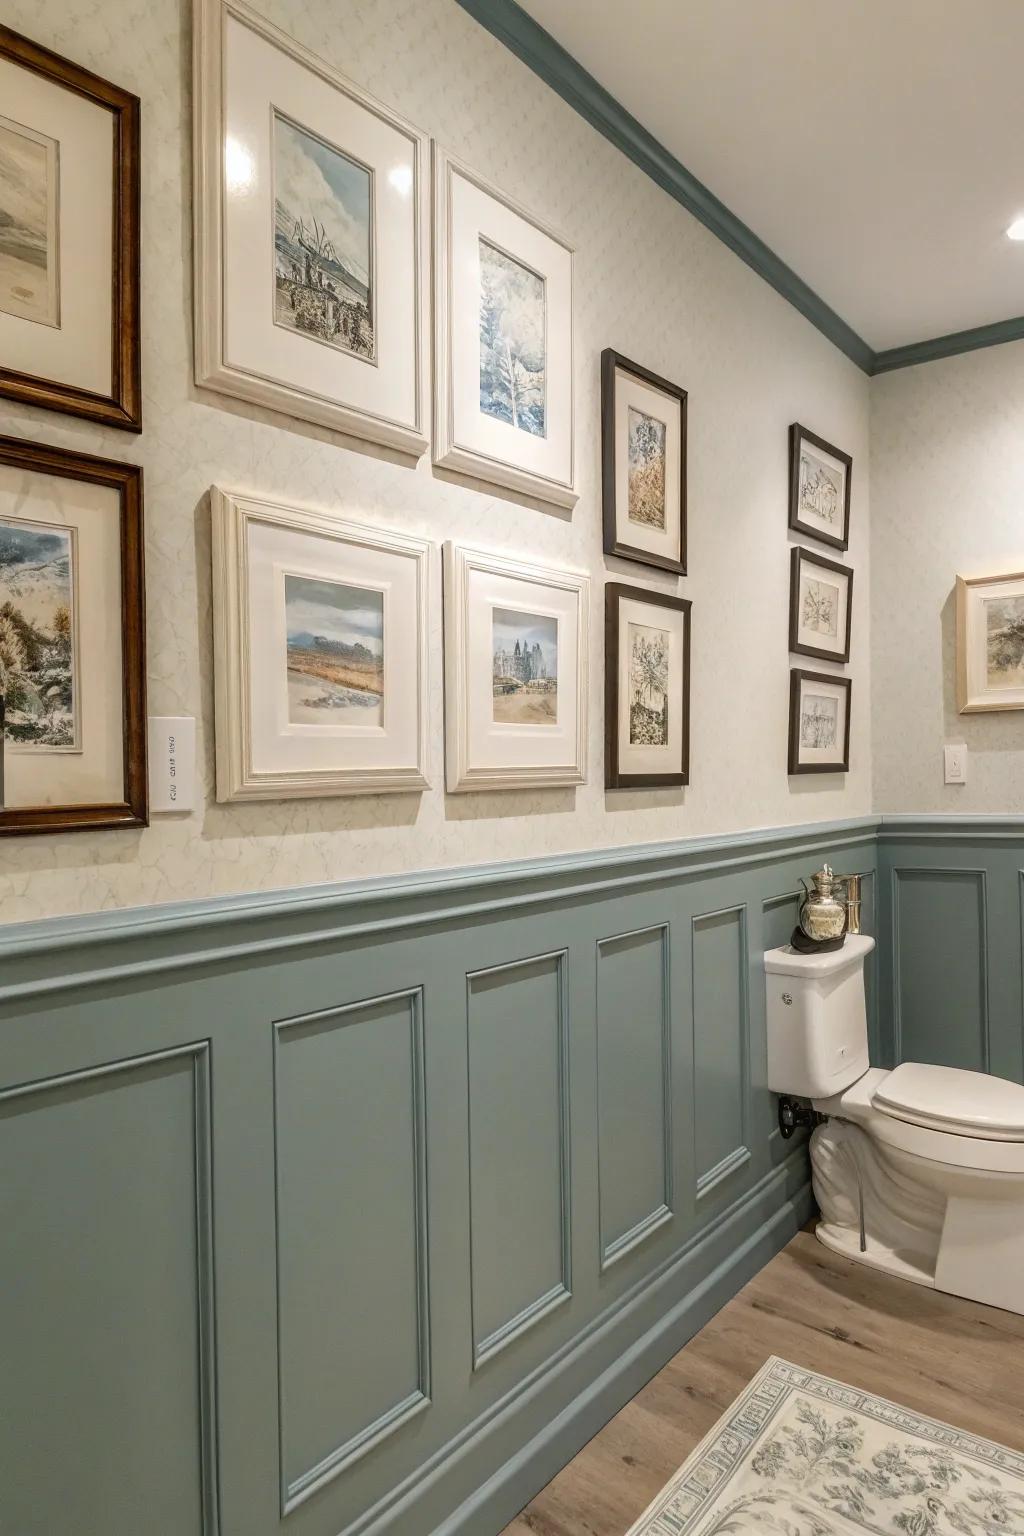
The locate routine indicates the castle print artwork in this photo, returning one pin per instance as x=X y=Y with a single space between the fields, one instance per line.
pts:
x=38 y=639
x=524 y=668
x=323 y=242
x=335 y=636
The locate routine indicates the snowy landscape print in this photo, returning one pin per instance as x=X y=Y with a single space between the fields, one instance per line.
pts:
x=335 y=638
x=1004 y=638
x=513 y=342
x=646 y=481
x=38 y=652
x=28 y=224
x=323 y=242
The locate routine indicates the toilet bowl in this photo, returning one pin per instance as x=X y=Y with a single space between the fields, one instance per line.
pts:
x=918 y=1171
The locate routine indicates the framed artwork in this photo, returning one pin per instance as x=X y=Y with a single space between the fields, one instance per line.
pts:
x=819 y=722
x=647 y=688
x=990 y=642
x=310 y=220
x=643 y=462
x=516 y=671
x=320 y=646
x=503 y=363
x=72 y=641
x=820 y=606
x=69 y=237
x=819 y=488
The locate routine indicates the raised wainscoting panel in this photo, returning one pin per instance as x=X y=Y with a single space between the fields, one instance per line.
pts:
x=634 y=1135
x=354 y=1353
x=517 y=1026
x=721 y=1071
x=106 y=1364
x=940 y=1006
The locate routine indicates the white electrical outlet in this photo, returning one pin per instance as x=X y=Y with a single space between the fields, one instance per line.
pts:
x=172 y=762
x=955 y=760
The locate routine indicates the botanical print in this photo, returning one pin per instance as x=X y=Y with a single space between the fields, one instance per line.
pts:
x=649 y=650
x=323 y=241
x=819 y=721
x=28 y=224
x=335 y=640
x=513 y=341
x=800 y=1455
x=524 y=648
x=1004 y=637
x=819 y=607
x=38 y=651
x=821 y=490
x=646 y=468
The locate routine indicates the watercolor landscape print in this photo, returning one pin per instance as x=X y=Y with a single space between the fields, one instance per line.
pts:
x=649 y=652
x=513 y=342
x=335 y=641
x=524 y=667
x=646 y=478
x=323 y=242
x=39 y=671
x=1004 y=641
x=28 y=224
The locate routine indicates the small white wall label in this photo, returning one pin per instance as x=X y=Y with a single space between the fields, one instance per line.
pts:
x=955 y=760
x=172 y=762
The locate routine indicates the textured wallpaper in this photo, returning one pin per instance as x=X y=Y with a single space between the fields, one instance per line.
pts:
x=947 y=492
x=651 y=282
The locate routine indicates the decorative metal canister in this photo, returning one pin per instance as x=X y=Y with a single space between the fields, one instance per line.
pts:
x=823 y=914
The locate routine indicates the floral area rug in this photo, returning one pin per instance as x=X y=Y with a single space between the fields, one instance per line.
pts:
x=800 y=1455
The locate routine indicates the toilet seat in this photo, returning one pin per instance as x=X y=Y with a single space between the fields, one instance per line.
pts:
x=953 y=1101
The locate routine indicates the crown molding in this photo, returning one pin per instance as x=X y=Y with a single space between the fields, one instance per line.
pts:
x=530 y=42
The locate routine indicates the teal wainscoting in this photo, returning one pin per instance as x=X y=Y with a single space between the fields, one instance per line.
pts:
x=950 y=926
x=359 y=1209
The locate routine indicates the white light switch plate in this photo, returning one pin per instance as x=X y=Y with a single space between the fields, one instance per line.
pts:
x=172 y=762
x=955 y=760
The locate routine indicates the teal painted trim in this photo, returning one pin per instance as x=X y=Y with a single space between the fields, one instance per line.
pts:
x=529 y=41
x=943 y=827
x=948 y=346
x=539 y=51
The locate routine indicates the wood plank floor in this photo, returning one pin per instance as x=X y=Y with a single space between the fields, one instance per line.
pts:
x=953 y=1359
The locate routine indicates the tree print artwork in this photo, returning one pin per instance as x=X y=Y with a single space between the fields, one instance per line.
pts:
x=648 y=686
x=1004 y=638
x=513 y=342
x=38 y=652
x=646 y=483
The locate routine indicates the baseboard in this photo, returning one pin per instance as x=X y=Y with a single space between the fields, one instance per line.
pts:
x=497 y=1501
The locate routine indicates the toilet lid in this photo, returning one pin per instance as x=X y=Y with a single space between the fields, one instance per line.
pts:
x=949 y=1099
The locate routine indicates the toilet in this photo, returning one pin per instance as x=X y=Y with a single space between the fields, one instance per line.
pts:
x=918 y=1171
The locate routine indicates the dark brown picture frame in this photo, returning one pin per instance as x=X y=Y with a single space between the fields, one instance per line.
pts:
x=798 y=435
x=796 y=679
x=123 y=406
x=799 y=556
x=614 y=592
x=613 y=545
x=126 y=480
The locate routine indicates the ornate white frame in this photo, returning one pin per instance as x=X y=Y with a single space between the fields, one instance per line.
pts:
x=212 y=371
x=231 y=514
x=448 y=452
x=461 y=774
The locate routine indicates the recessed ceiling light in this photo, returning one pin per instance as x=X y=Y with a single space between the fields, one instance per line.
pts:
x=1016 y=229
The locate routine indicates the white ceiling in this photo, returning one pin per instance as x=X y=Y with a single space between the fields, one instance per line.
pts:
x=877 y=146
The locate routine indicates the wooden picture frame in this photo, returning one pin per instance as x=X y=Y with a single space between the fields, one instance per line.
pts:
x=665 y=547
x=833 y=614
x=120 y=405
x=831 y=686
x=989 y=649
x=831 y=474
x=125 y=481
x=628 y=764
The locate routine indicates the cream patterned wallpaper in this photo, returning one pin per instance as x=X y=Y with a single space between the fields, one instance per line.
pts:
x=651 y=282
x=947 y=491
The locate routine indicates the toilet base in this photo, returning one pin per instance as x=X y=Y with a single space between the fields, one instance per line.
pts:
x=981 y=1255
x=846 y=1240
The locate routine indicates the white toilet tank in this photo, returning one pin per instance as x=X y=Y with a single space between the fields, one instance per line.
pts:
x=817 y=1019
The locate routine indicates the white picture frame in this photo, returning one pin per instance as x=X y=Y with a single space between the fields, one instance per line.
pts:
x=514 y=730
x=493 y=258
x=989 y=673
x=301 y=332
x=273 y=567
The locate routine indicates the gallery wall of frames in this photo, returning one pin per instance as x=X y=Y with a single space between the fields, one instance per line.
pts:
x=452 y=514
